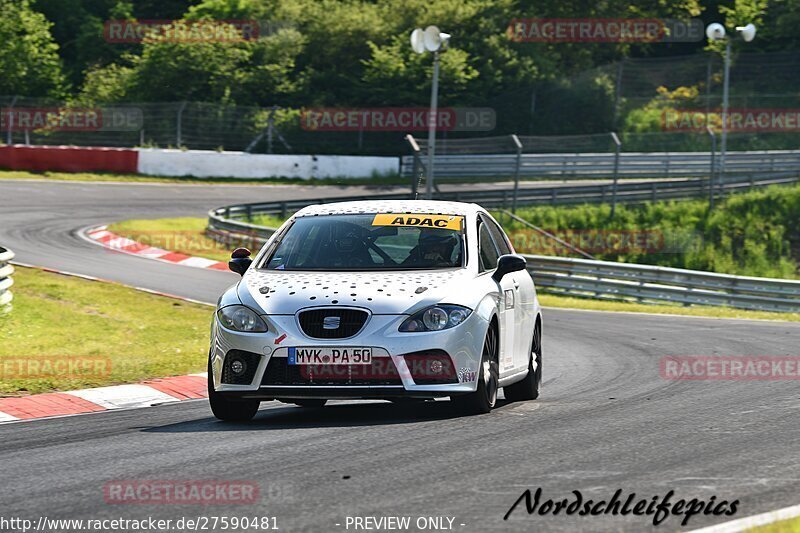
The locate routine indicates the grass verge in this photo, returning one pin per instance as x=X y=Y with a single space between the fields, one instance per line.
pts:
x=182 y=235
x=753 y=233
x=112 y=333
x=784 y=526
x=138 y=178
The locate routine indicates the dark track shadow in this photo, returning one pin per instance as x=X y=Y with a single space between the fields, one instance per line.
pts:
x=341 y=415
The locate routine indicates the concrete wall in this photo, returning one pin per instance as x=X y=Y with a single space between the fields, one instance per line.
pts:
x=210 y=164
x=68 y=159
x=197 y=163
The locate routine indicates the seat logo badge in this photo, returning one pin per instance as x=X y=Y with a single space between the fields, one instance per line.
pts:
x=331 y=322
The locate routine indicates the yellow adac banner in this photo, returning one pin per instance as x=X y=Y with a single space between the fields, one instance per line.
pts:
x=452 y=222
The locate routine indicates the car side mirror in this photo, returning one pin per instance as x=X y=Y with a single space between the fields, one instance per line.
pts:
x=240 y=261
x=507 y=264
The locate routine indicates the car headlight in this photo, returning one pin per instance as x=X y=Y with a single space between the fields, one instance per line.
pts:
x=436 y=318
x=241 y=318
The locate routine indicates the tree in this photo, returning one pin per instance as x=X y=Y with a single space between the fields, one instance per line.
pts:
x=248 y=72
x=29 y=59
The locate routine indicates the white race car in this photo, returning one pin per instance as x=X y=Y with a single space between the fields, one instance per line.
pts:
x=396 y=300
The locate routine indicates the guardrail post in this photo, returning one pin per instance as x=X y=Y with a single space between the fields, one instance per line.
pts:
x=249 y=213
x=618 y=149
x=178 y=139
x=713 y=168
x=554 y=193
x=518 y=145
x=416 y=174
x=284 y=210
x=10 y=121
x=414 y=179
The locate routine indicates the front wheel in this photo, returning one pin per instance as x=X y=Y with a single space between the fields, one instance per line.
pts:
x=229 y=410
x=528 y=388
x=485 y=397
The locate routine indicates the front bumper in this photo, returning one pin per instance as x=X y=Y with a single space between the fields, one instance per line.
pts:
x=462 y=343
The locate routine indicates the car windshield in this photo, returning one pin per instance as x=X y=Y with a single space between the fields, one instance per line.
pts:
x=370 y=242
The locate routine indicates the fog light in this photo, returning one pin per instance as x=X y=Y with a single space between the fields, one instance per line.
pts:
x=237 y=366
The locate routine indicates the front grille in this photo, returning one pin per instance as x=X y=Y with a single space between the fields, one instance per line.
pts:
x=380 y=372
x=332 y=323
x=247 y=365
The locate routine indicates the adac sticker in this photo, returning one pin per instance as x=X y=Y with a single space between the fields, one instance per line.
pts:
x=452 y=222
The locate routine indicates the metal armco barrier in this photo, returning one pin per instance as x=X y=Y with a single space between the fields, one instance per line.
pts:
x=231 y=223
x=6 y=269
x=583 y=278
x=603 y=165
x=653 y=284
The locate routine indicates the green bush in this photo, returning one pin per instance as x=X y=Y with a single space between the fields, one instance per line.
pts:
x=756 y=233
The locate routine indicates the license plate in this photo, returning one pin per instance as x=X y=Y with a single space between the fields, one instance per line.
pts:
x=330 y=356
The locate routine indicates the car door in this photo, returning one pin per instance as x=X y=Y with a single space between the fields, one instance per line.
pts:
x=488 y=254
x=523 y=300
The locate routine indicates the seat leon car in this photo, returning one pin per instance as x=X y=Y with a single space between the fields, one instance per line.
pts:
x=396 y=300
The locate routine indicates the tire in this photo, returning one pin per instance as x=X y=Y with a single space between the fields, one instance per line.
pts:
x=528 y=388
x=229 y=410
x=310 y=403
x=484 y=398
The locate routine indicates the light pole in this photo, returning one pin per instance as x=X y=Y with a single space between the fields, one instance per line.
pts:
x=716 y=32
x=432 y=40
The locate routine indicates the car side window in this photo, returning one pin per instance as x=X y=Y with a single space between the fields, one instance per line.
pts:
x=487 y=251
x=499 y=236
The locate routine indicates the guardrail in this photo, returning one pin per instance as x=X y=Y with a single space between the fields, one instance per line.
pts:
x=582 y=278
x=231 y=224
x=6 y=269
x=602 y=165
x=654 y=284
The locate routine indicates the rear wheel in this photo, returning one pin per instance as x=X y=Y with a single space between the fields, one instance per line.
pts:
x=227 y=409
x=484 y=398
x=528 y=388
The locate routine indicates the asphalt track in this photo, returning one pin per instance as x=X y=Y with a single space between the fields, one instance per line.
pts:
x=606 y=420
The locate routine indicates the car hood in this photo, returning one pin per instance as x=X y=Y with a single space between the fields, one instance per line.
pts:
x=284 y=293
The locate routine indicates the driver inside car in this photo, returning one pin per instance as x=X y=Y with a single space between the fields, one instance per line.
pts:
x=434 y=249
x=349 y=247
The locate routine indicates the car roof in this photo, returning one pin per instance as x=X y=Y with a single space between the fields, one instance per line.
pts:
x=435 y=207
